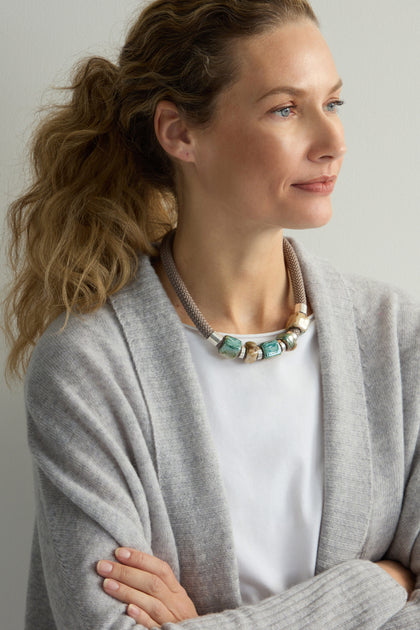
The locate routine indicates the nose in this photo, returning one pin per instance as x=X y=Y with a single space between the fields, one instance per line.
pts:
x=328 y=142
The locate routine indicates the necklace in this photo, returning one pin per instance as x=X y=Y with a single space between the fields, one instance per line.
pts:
x=227 y=345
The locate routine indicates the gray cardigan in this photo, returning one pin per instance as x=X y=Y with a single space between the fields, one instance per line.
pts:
x=123 y=455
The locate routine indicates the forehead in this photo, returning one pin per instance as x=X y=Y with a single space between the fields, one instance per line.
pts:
x=295 y=54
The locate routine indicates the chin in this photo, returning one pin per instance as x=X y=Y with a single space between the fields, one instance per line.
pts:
x=306 y=219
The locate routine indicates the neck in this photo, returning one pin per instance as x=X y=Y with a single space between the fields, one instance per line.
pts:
x=238 y=279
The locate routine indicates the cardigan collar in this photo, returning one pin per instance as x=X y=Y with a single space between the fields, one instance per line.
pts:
x=178 y=417
x=347 y=455
x=195 y=497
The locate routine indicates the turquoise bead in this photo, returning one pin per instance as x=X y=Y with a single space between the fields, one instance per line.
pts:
x=230 y=347
x=271 y=349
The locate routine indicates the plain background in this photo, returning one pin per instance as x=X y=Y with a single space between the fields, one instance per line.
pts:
x=376 y=225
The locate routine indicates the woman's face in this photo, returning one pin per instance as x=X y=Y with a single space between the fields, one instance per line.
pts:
x=274 y=130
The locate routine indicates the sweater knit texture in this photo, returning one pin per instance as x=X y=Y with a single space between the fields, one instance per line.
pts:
x=123 y=456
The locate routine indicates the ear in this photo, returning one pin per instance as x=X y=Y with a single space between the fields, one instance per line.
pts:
x=172 y=132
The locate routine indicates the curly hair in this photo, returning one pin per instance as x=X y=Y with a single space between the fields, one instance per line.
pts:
x=103 y=190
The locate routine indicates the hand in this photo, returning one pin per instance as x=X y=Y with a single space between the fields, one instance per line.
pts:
x=402 y=575
x=149 y=587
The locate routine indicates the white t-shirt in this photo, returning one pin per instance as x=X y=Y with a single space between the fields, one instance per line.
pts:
x=266 y=423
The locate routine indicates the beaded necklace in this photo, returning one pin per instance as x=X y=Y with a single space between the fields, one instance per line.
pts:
x=228 y=346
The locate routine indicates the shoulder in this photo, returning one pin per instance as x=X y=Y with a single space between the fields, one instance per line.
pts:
x=84 y=350
x=375 y=305
x=73 y=341
x=384 y=314
x=76 y=367
x=374 y=328
x=111 y=350
x=368 y=294
x=98 y=338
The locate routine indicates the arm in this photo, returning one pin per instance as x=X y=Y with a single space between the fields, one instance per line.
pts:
x=89 y=497
x=405 y=546
x=400 y=574
x=95 y=493
x=354 y=594
x=409 y=616
x=149 y=587
x=154 y=596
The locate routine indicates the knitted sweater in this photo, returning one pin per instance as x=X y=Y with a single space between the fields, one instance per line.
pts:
x=123 y=456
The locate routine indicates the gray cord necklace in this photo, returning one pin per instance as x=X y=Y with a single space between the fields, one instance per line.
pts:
x=227 y=345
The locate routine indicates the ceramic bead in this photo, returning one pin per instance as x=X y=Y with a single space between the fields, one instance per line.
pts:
x=271 y=349
x=230 y=347
x=252 y=352
x=298 y=320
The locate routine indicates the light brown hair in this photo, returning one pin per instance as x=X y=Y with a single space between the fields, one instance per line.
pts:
x=103 y=189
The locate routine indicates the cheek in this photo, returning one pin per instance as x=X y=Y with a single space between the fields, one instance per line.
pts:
x=275 y=144
x=254 y=153
x=257 y=159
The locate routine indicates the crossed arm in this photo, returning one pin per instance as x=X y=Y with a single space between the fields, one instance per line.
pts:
x=95 y=492
x=154 y=596
x=148 y=586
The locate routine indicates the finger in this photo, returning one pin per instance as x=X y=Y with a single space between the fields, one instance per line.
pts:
x=138 y=579
x=141 y=617
x=153 y=607
x=150 y=564
x=177 y=604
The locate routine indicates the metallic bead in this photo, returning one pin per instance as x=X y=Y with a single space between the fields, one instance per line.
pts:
x=242 y=353
x=230 y=347
x=289 y=338
x=271 y=349
x=298 y=320
x=297 y=332
x=301 y=308
x=282 y=345
x=252 y=352
x=215 y=339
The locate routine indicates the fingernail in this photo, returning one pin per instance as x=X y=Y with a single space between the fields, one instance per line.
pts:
x=124 y=554
x=111 y=585
x=105 y=567
x=133 y=611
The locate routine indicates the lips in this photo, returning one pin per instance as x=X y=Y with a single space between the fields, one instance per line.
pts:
x=323 y=184
x=324 y=179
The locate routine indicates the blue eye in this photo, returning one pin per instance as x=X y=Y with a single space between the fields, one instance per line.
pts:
x=284 y=112
x=333 y=107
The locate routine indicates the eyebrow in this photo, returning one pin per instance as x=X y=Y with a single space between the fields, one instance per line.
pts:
x=286 y=89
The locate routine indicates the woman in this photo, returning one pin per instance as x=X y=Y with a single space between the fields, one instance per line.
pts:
x=234 y=494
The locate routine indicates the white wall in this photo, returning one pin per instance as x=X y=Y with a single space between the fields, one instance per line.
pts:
x=39 y=41
x=376 y=225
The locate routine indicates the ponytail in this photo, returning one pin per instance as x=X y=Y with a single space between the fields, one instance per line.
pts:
x=104 y=189
x=77 y=232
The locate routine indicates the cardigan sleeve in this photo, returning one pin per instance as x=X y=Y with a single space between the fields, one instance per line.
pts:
x=88 y=494
x=95 y=492
x=405 y=546
x=86 y=507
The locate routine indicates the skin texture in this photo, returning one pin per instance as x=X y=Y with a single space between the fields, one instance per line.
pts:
x=149 y=586
x=153 y=595
x=235 y=187
x=247 y=161
x=402 y=575
x=235 y=177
